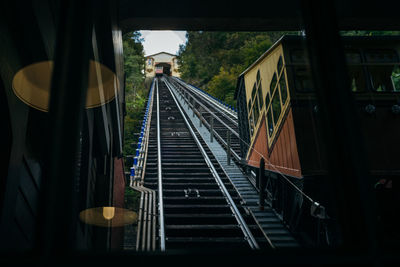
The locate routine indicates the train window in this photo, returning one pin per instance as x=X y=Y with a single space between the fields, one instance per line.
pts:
x=251 y=124
x=283 y=88
x=273 y=83
x=276 y=106
x=357 y=78
x=260 y=98
x=383 y=73
x=381 y=56
x=303 y=79
x=256 y=112
x=353 y=57
x=280 y=65
x=356 y=71
x=381 y=78
x=253 y=92
x=267 y=99
x=270 y=124
x=297 y=56
x=396 y=78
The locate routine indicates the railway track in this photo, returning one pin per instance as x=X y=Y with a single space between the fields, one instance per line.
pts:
x=198 y=206
x=223 y=120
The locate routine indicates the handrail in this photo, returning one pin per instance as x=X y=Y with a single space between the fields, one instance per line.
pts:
x=137 y=170
x=223 y=142
x=215 y=116
x=213 y=131
x=215 y=106
x=209 y=97
x=242 y=224
x=160 y=192
x=147 y=213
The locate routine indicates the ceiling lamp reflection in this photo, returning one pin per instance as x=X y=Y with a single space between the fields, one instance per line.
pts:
x=32 y=85
x=108 y=216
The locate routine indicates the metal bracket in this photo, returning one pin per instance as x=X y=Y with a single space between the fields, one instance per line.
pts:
x=191 y=192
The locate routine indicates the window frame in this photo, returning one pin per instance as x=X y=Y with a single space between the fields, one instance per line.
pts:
x=257 y=104
x=277 y=125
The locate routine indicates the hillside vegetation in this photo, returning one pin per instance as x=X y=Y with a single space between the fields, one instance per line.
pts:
x=135 y=91
x=214 y=60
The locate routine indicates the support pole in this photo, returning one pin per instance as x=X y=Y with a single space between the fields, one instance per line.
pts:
x=261 y=177
x=228 y=148
x=212 y=129
x=347 y=165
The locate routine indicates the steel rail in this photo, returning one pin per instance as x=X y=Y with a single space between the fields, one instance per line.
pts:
x=216 y=105
x=241 y=222
x=216 y=117
x=160 y=192
x=218 y=137
x=207 y=97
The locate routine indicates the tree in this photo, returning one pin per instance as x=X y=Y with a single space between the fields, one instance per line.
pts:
x=214 y=60
x=135 y=91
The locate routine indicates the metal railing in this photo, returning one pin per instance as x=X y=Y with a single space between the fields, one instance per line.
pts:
x=160 y=188
x=216 y=102
x=145 y=239
x=215 y=105
x=210 y=125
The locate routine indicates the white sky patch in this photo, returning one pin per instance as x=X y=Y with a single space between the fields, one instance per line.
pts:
x=162 y=41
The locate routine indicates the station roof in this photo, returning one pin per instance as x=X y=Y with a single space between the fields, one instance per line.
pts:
x=152 y=55
x=250 y=15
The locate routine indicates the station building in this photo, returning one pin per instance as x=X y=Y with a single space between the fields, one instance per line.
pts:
x=167 y=61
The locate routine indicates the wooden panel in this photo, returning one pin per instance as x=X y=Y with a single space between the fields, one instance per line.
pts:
x=284 y=157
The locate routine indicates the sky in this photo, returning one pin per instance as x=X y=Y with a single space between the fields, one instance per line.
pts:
x=162 y=41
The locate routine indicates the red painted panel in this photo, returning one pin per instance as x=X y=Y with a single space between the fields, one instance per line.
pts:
x=284 y=156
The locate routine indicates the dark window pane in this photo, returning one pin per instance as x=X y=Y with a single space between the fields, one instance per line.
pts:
x=273 y=83
x=298 y=56
x=396 y=78
x=353 y=57
x=303 y=79
x=282 y=85
x=267 y=99
x=381 y=77
x=258 y=76
x=381 y=56
x=357 y=78
x=249 y=106
x=276 y=106
x=256 y=113
x=251 y=124
x=253 y=92
x=280 y=64
x=270 y=124
x=260 y=97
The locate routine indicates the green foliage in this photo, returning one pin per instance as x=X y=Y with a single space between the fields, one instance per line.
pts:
x=214 y=60
x=369 y=33
x=135 y=90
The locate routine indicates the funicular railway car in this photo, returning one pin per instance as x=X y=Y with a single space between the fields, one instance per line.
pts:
x=159 y=70
x=278 y=115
